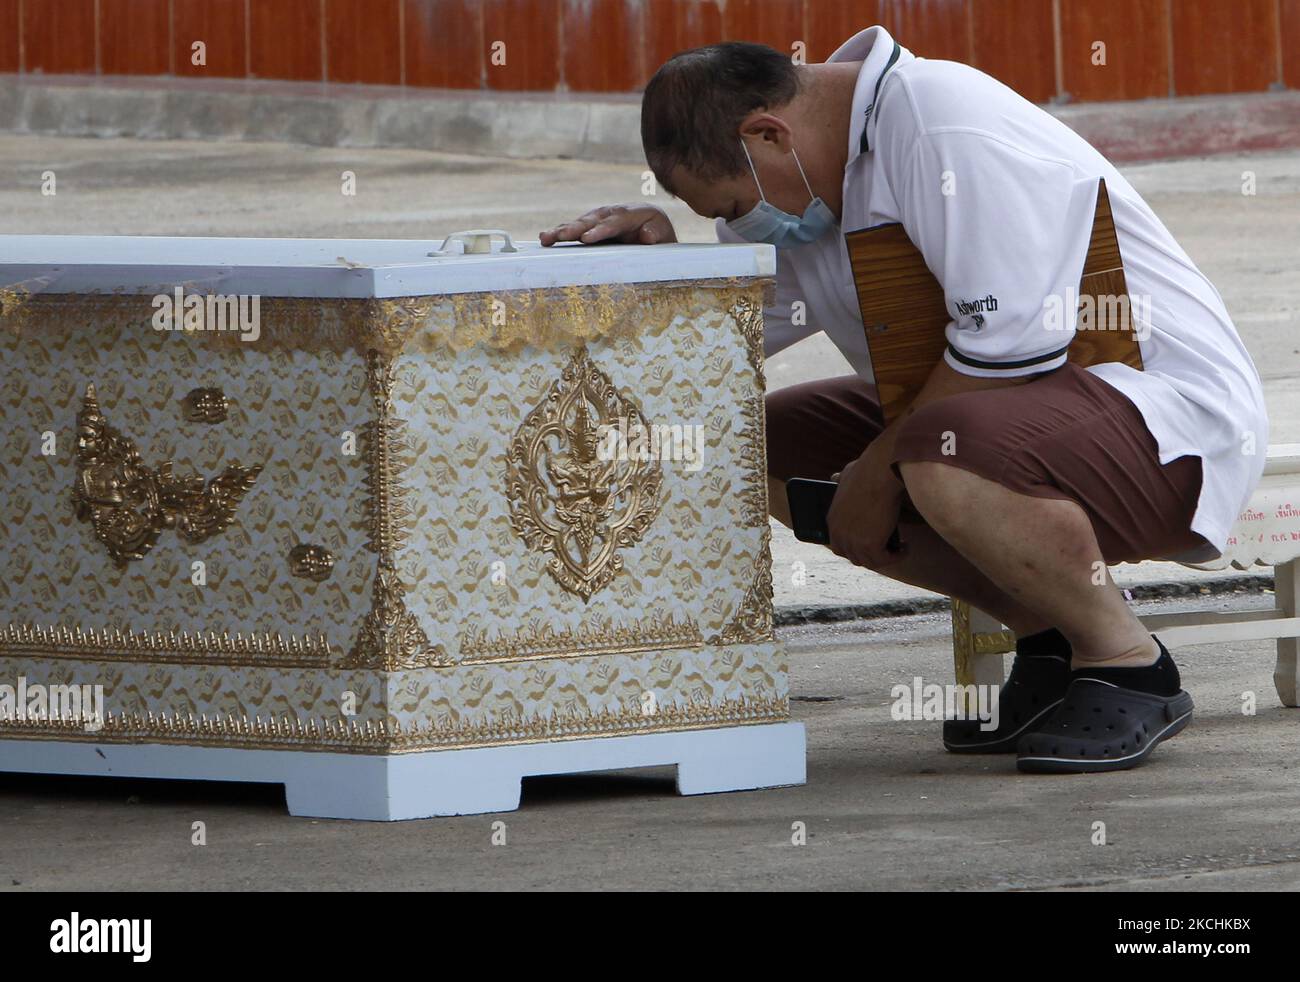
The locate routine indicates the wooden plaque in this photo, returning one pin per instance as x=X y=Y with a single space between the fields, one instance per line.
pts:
x=904 y=313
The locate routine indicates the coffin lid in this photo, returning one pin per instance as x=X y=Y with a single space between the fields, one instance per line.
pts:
x=349 y=268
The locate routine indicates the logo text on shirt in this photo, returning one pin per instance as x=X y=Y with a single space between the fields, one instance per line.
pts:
x=975 y=309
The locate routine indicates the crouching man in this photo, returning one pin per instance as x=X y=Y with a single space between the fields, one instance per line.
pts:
x=1015 y=477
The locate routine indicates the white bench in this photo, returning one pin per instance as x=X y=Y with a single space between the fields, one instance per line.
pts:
x=1267 y=534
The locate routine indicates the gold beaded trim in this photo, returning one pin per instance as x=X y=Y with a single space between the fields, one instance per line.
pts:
x=389 y=737
x=167 y=647
x=603 y=638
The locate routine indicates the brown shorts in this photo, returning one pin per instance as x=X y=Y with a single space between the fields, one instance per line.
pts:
x=1065 y=435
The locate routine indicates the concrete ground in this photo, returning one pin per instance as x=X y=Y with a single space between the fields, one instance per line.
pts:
x=885 y=807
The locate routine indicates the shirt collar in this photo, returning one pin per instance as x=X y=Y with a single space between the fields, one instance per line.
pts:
x=879 y=54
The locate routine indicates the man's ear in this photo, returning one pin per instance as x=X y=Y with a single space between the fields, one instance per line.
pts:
x=760 y=125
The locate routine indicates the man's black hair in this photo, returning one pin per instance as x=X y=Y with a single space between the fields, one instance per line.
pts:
x=693 y=106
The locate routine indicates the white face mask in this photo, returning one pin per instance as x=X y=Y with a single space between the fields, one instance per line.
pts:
x=767 y=223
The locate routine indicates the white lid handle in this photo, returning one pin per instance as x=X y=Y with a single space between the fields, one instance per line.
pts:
x=478 y=241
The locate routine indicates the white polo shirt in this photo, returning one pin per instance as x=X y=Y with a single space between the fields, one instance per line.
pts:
x=999 y=197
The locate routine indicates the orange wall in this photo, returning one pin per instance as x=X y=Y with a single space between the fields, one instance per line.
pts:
x=1043 y=48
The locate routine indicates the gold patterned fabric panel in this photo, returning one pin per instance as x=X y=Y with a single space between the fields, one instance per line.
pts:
x=286 y=412
x=627 y=690
x=471 y=706
x=494 y=594
x=186 y=698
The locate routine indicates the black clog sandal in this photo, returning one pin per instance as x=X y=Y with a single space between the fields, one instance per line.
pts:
x=1033 y=689
x=1100 y=726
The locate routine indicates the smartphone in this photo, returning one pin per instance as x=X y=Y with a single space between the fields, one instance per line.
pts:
x=810 y=501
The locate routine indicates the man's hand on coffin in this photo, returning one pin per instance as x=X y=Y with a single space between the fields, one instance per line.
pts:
x=864 y=511
x=628 y=224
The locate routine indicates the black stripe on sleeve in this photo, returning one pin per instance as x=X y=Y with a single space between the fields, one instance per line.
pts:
x=1004 y=365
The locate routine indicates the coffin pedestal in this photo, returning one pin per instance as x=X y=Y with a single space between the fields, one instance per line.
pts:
x=390 y=528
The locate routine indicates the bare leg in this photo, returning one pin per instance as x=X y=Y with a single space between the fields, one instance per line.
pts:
x=1040 y=551
x=932 y=564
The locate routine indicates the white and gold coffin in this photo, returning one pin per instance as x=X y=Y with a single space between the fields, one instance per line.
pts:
x=391 y=525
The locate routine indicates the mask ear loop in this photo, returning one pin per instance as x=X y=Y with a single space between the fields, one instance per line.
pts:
x=752 y=170
x=811 y=196
x=744 y=147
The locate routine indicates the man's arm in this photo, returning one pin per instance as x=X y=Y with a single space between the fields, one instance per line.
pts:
x=865 y=511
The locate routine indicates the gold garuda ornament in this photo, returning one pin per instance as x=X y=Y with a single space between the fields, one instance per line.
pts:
x=567 y=498
x=130 y=504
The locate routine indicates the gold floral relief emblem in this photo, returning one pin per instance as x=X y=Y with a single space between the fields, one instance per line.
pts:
x=311 y=562
x=568 y=498
x=130 y=504
x=207 y=405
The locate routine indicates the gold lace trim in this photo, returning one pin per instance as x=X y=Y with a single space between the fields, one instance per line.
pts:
x=389 y=736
